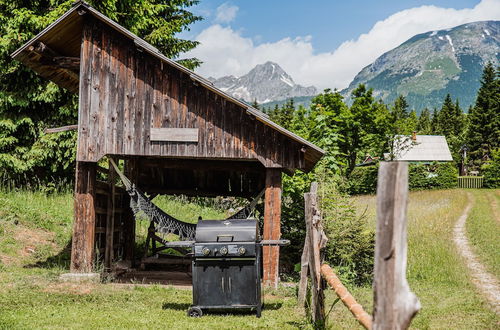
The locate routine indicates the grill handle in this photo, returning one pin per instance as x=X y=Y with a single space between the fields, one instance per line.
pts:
x=181 y=244
x=225 y=238
x=275 y=242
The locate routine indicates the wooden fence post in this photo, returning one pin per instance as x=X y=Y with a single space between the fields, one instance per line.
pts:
x=394 y=304
x=316 y=240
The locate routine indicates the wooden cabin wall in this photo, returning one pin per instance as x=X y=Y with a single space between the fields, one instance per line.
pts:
x=124 y=92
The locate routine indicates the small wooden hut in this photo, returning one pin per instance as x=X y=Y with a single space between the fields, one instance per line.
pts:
x=173 y=130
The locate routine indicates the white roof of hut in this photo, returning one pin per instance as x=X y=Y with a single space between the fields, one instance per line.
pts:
x=422 y=148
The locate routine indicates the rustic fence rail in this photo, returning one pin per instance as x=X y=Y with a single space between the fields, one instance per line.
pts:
x=470 y=182
x=394 y=304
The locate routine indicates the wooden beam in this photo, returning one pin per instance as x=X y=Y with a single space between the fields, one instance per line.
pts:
x=110 y=218
x=50 y=57
x=174 y=134
x=60 y=129
x=272 y=226
x=394 y=304
x=82 y=250
x=132 y=172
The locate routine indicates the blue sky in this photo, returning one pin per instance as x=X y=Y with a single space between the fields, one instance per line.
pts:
x=319 y=42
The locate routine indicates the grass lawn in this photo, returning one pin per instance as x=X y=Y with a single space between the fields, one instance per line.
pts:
x=34 y=228
x=483 y=229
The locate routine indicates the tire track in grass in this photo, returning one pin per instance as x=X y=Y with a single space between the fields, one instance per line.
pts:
x=484 y=281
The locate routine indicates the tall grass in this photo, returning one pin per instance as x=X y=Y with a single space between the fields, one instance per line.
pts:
x=483 y=229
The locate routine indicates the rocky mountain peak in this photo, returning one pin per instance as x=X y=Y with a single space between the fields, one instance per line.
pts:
x=264 y=83
x=430 y=65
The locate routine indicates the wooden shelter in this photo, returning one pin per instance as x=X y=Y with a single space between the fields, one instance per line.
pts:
x=173 y=131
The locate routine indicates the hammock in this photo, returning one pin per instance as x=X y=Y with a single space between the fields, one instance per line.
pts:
x=166 y=224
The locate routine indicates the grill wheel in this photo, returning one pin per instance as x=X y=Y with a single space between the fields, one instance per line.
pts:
x=194 y=312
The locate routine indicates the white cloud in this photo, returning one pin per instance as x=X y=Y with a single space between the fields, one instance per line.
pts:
x=225 y=51
x=226 y=13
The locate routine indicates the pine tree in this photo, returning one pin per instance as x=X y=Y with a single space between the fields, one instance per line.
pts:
x=484 y=122
x=448 y=120
x=399 y=113
x=29 y=103
x=255 y=104
x=424 y=125
x=435 y=128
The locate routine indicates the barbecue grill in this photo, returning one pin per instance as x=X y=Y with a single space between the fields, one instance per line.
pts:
x=227 y=265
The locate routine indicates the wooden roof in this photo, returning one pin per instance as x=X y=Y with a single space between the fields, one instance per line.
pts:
x=64 y=37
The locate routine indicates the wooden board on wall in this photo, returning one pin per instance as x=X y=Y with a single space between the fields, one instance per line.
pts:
x=174 y=134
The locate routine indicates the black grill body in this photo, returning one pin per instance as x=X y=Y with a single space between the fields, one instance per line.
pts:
x=226 y=266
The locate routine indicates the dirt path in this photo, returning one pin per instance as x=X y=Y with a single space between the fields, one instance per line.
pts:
x=484 y=281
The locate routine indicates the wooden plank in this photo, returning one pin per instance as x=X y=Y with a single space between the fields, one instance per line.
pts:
x=138 y=109
x=82 y=249
x=85 y=91
x=60 y=129
x=272 y=227
x=394 y=304
x=174 y=134
x=121 y=85
x=148 y=106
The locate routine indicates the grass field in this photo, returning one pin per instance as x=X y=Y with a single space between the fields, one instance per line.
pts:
x=483 y=229
x=34 y=228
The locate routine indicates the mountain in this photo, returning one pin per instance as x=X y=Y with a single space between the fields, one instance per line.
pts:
x=265 y=83
x=428 y=66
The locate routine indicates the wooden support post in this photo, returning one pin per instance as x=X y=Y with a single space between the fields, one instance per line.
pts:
x=110 y=217
x=131 y=171
x=394 y=304
x=82 y=250
x=316 y=241
x=304 y=260
x=272 y=226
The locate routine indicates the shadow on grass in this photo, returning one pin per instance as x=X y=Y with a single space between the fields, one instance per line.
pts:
x=185 y=306
x=176 y=306
x=272 y=306
x=60 y=260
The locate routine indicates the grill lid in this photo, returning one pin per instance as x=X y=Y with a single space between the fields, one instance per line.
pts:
x=231 y=230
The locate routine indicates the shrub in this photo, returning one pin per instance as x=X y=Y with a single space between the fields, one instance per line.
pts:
x=351 y=242
x=491 y=171
x=432 y=176
x=363 y=180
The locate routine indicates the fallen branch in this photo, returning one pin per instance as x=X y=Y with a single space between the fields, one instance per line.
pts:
x=356 y=309
x=60 y=129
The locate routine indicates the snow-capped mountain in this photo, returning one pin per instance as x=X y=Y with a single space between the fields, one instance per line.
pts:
x=429 y=65
x=264 y=83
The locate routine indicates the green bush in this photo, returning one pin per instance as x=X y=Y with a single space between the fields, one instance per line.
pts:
x=491 y=171
x=432 y=176
x=351 y=242
x=363 y=180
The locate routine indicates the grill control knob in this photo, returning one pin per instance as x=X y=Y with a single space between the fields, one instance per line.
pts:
x=242 y=250
x=223 y=250
x=205 y=251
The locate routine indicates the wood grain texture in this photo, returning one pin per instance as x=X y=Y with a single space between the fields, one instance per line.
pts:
x=126 y=95
x=82 y=250
x=175 y=134
x=394 y=304
x=272 y=227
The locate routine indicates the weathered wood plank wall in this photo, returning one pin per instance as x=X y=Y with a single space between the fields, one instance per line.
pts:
x=125 y=92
